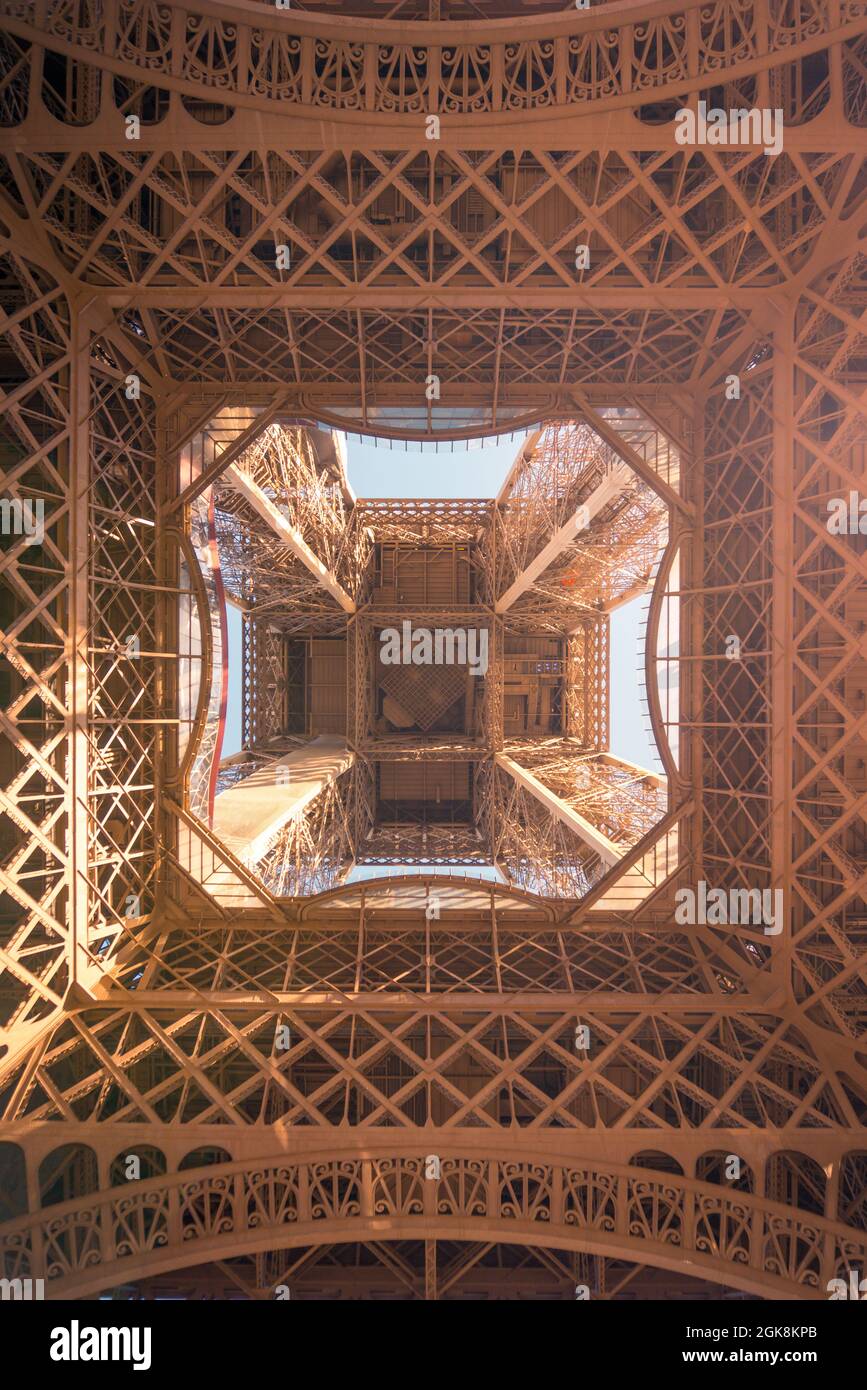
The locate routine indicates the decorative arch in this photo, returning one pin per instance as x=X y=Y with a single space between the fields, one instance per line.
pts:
x=667 y=1221
x=643 y=60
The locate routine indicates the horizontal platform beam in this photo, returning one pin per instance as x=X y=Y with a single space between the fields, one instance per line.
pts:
x=384 y=297
x=398 y=1001
x=613 y=1145
x=641 y=586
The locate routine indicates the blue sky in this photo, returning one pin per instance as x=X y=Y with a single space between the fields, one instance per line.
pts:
x=375 y=470
x=234 y=705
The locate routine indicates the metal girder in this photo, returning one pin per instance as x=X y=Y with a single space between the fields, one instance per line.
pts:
x=608 y=852
x=607 y=491
x=288 y=535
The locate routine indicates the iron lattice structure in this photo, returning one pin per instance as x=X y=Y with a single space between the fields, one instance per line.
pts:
x=431 y=1016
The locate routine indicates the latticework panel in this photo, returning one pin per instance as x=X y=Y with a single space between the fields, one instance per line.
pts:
x=282 y=462
x=430 y=843
x=826 y=796
x=533 y=847
x=736 y=601
x=586 y=690
x=314 y=850
x=265 y=713
x=621 y=801
x=38 y=598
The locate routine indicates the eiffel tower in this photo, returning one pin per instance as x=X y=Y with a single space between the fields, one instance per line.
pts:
x=426 y=993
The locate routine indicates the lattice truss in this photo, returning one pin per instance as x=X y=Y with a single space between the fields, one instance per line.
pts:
x=829 y=791
x=259 y=566
x=282 y=464
x=525 y=1071
x=557 y=472
x=618 y=800
x=265 y=678
x=574 y=531
x=261 y=571
x=83 y=652
x=425 y=520
x=314 y=851
x=133 y=1006
x=171 y=215
x=769 y=551
x=423 y=844
x=586 y=683
x=531 y=846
